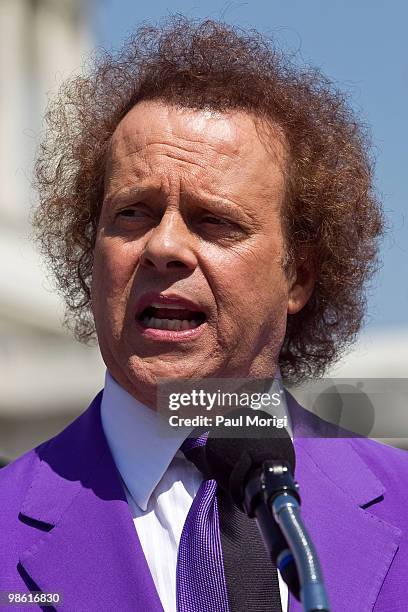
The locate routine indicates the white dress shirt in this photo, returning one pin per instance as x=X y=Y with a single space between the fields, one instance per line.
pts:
x=159 y=482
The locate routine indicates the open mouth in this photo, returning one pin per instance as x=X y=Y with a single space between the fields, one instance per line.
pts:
x=170 y=317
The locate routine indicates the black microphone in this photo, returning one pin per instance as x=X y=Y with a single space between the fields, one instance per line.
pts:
x=256 y=468
x=233 y=452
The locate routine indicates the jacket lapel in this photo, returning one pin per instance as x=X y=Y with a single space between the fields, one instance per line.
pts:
x=87 y=547
x=355 y=547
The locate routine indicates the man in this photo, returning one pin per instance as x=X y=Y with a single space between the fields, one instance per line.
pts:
x=207 y=207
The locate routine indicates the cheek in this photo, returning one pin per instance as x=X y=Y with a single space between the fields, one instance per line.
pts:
x=250 y=279
x=114 y=264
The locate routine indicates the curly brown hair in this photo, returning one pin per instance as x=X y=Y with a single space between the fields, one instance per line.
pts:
x=331 y=210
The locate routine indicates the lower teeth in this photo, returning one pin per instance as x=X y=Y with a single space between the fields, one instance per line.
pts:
x=169 y=324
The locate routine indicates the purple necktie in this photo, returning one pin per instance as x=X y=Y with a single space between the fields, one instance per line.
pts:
x=200 y=582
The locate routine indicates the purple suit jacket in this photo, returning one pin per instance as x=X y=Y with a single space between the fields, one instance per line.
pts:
x=65 y=525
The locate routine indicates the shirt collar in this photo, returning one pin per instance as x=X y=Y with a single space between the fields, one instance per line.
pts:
x=141 y=441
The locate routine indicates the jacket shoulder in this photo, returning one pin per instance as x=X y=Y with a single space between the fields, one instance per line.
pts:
x=383 y=459
x=390 y=466
x=16 y=477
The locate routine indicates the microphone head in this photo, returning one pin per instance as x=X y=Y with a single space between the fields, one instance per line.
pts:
x=230 y=460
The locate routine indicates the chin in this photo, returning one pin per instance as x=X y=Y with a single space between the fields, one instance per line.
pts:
x=147 y=372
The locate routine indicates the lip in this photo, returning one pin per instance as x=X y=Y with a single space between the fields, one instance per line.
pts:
x=167 y=335
x=171 y=298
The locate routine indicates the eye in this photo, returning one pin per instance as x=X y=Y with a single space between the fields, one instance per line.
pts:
x=134 y=213
x=215 y=220
x=213 y=227
x=128 y=212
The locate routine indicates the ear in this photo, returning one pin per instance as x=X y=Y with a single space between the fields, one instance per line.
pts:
x=302 y=281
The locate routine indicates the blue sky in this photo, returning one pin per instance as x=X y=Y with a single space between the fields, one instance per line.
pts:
x=363 y=47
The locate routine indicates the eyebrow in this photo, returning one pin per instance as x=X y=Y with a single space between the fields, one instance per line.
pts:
x=223 y=205
x=128 y=194
x=124 y=195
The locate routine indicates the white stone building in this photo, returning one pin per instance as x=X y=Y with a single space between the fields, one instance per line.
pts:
x=45 y=376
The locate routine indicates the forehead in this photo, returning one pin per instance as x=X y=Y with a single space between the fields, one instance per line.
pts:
x=231 y=142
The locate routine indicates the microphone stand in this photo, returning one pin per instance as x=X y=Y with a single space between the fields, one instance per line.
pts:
x=273 y=494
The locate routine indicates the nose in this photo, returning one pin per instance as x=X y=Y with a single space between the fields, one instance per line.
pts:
x=169 y=245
